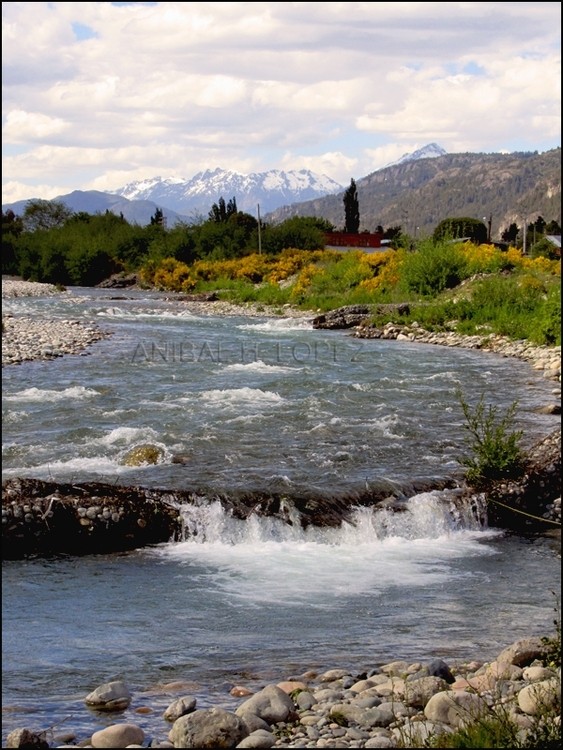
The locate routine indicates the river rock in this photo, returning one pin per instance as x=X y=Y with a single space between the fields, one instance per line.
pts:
x=213 y=729
x=258 y=739
x=180 y=707
x=534 y=699
x=272 y=704
x=27 y=740
x=456 y=708
x=523 y=652
x=118 y=735
x=141 y=455
x=111 y=696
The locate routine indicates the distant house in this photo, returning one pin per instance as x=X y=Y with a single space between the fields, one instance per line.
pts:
x=350 y=240
x=555 y=240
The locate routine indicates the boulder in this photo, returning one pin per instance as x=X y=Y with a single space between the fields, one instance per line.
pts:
x=111 y=696
x=540 y=697
x=142 y=455
x=213 y=729
x=27 y=740
x=118 y=735
x=272 y=704
x=180 y=707
x=455 y=707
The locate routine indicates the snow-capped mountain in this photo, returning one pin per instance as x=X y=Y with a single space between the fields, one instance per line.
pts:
x=429 y=151
x=195 y=196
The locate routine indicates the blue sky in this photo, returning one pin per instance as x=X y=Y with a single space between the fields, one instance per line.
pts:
x=97 y=95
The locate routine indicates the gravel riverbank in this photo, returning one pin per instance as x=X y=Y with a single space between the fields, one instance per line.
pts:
x=26 y=339
x=397 y=704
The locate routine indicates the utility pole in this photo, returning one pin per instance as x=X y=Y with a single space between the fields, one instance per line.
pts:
x=259 y=232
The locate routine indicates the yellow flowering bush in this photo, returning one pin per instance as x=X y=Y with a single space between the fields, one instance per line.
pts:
x=304 y=281
x=251 y=267
x=390 y=272
x=174 y=275
x=543 y=265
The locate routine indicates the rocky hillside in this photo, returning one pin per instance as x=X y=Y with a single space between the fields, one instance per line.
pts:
x=418 y=194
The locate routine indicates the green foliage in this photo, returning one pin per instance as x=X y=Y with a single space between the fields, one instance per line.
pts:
x=463 y=227
x=520 y=306
x=42 y=214
x=434 y=267
x=544 y=248
x=494 y=442
x=304 y=233
x=338 y=718
x=12 y=228
x=488 y=731
x=552 y=644
x=221 y=212
x=545 y=324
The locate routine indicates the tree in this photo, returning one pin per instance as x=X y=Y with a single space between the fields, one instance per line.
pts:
x=221 y=212
x=12 y=227
x=351 y=209
x=158 y=218
x=461 y=228
x=41 y=214
x=511 y=234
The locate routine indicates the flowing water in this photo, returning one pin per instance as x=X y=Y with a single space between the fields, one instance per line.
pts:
x=257 y=405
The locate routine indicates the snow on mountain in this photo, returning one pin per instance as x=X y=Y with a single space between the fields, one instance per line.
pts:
x=195 y=196
x=429 y=151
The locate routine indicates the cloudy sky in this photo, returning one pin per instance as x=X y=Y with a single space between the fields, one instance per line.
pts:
x=96 y=95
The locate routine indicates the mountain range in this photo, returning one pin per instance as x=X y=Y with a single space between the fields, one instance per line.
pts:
x=419 y=193
x=191 y=200
x=415 y=192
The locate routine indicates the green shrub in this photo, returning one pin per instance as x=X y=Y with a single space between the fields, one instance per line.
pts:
x=493 y=441
x=545 y=325
x=433 y=268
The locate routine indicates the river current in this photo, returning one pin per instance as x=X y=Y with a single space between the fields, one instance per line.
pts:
x=234 y=403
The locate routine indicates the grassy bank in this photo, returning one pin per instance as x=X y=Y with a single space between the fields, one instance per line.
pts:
x=461 y=287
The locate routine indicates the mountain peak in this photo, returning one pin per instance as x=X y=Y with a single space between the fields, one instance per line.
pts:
x=270 y=189
x=430 y=151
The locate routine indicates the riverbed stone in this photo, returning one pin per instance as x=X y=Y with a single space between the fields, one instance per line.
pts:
x=522 y=652
x=117 y=736
x=456 y=708
x=180 y=707
x=111 y=696
x=534 y=699
x=258 y=739
x=272 y=704
x=27 y=740
x=208 y=729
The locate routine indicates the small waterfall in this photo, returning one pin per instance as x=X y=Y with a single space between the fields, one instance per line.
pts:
x=426 y=515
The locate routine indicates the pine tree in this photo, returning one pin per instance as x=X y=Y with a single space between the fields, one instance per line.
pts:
x=351 y=209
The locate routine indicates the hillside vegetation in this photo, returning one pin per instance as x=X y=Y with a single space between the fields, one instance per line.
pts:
x=418 y=194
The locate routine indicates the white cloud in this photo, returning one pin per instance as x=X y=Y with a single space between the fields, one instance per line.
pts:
x=340 y=88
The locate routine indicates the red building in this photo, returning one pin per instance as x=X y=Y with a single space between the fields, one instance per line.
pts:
x=349 y=239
